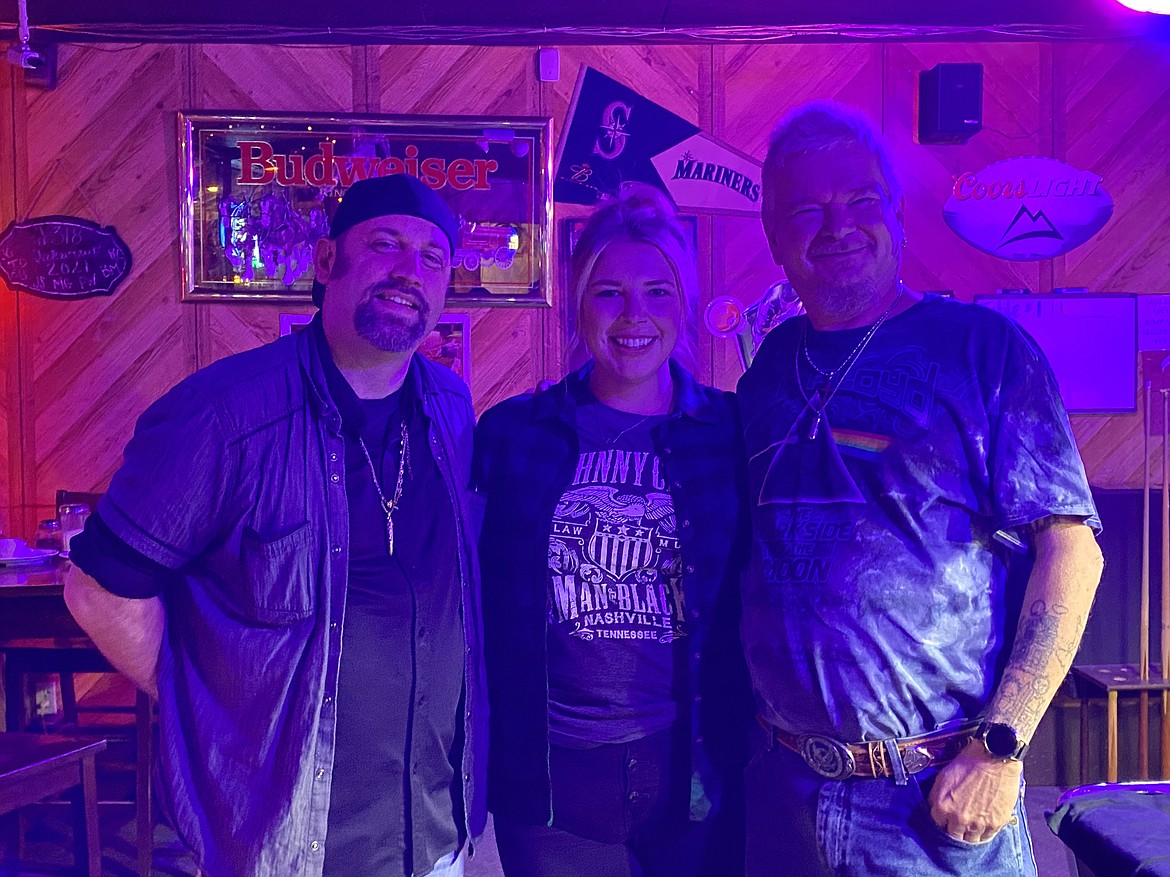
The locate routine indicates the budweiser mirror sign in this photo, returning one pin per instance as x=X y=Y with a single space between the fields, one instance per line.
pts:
x=1029 y=208
x=258 y=192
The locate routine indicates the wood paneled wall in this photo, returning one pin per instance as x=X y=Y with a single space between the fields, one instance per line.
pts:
x=74 y=376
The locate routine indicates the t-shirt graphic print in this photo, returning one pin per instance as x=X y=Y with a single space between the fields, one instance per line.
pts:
x=614 y=553
x=615 y=589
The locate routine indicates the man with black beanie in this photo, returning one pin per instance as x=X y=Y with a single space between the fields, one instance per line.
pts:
x=286 y=560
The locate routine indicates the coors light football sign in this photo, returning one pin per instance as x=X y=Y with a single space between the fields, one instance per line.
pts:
x=1029 y=208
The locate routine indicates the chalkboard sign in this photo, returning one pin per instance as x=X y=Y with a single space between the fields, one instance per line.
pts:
x=1090 y=340
x=62 y=257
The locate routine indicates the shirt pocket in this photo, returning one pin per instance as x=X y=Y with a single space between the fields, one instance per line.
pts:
x=278 y=576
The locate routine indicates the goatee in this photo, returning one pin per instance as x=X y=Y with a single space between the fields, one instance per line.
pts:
x=389 y=332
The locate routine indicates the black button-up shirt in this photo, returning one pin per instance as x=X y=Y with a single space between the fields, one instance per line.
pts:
x=395 y=806
x=234 y=483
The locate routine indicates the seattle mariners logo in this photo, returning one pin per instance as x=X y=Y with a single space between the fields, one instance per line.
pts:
x=612 y=141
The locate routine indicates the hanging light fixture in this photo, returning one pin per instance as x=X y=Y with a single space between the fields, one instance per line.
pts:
x=24 y=55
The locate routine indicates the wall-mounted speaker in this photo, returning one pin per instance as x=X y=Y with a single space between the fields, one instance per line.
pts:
x=950 y=103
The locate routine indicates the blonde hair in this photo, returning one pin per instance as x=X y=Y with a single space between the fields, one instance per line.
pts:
x=641 y=214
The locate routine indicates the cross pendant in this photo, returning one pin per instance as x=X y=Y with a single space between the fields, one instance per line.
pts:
x=388 y=508
x=818 y=402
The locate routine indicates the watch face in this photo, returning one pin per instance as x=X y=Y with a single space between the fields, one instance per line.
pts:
x=1001 y=740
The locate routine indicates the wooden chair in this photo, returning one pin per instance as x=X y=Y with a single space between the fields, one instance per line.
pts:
x=34 y=767
x=137 y=734
x=76 y=497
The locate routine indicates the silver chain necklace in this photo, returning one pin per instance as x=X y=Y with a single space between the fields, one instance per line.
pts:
x=820 y=397
x=389 y=505
x=613 y=441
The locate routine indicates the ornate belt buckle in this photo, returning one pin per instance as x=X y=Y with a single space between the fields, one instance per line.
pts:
x=828 y=757
x=916 y=758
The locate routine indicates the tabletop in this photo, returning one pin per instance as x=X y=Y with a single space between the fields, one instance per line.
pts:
x=32 y=608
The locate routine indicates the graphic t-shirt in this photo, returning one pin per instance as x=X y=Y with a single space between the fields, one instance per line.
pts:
x=616 y=610
x=882 y=598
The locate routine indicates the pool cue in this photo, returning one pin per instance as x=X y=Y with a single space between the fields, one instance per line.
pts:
x=1144 y=632
x=1165 y=667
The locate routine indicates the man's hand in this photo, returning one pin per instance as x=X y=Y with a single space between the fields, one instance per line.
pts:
x=974 y=796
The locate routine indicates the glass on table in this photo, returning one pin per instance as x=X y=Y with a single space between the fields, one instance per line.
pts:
x=72 y=519
x=48 y=535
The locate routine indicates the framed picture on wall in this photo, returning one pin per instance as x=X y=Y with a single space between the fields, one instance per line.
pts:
x=257 y=191
x=290 y=323
x=1091 y=342
x=449 y=344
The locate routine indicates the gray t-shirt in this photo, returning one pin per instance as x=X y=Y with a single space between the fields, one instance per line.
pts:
x=880 y=602
x=615 y=589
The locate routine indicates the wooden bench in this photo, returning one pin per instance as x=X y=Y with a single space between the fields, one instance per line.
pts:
x=34 y=767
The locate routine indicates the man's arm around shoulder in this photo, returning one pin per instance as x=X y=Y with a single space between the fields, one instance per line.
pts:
x=128 y=632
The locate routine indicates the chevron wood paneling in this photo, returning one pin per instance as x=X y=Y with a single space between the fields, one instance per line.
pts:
x=456 y=80
x=936 y=258
x=75 y=376
x=1116 y=122
x=507 y=344
x=11 y=479
x=275 y=78
x=753 y=87
x=264 y=79
x=95 y=364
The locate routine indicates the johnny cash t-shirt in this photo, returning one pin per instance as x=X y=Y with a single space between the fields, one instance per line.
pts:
x=616 y=667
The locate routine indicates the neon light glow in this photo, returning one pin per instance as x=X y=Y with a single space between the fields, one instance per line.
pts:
x=1159 y=7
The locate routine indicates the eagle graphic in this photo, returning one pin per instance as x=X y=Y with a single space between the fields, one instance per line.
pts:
x=613 y=507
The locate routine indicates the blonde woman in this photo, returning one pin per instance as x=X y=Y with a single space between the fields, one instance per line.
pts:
x=615 y=532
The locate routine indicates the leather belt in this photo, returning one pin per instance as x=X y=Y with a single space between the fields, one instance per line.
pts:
x=874 y=759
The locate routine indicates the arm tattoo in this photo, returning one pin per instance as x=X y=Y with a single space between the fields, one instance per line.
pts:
x=1037 y=637
x=1046 y=633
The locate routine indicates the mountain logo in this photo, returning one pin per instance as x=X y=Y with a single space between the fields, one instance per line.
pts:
x=1027 y=224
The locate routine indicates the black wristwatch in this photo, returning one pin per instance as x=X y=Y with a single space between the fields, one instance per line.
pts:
x=1002 y=741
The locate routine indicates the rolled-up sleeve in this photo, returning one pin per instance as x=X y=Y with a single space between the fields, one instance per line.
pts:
x=116 y=566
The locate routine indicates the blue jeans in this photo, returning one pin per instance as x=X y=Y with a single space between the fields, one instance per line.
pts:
x=802 y=825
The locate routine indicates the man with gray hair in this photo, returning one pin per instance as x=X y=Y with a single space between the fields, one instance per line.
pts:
x=924 y=557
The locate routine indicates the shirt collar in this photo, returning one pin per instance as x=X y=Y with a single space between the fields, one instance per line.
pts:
x=349 y=406
x=691 y=398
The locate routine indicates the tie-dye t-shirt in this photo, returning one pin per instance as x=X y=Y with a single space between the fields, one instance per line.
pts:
x=882 y=594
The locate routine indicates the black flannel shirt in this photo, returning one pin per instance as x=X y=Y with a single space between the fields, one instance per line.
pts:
x=525 y=453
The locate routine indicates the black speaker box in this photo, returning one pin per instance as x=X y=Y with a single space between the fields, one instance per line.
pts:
x=950 y=103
